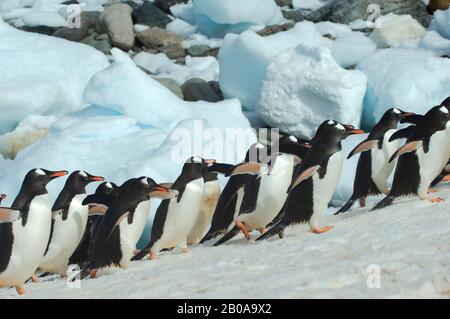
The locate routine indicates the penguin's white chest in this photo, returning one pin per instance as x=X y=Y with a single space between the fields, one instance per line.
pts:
x=272 y=193
x=432 y=162
x=66 y=236
x=323 y=188
x=182 y=215
x=30 y=242
x=131 y=233
x=381 y=168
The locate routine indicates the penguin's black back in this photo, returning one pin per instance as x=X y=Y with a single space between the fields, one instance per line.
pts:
x=363 y=184
x=406 y=176
x=299 y=206
x=158 y=223
x=111 y=252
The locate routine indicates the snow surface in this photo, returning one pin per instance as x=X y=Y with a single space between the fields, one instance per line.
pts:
x=433 y=41
x=411 y=79
x=43 y=75
x=309 y=4
x=441 y=22
x=217 y=17
x=406 y=244
x=181 y=27
x=305 y=86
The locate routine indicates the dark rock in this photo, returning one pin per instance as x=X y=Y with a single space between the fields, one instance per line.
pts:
x=215 y=86
x=42 y=29
x=345 y=11
x=165 y=5
x=173 y=51
x=151 y=16
x=445 y=56
x=434 y=5
x=284 y=3
x=198 y=50
x=70 y=2
x=199 y=90
x=100 y=42
x=271 y=29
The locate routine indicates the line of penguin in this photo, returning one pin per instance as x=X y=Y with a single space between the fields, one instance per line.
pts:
x=289 y=182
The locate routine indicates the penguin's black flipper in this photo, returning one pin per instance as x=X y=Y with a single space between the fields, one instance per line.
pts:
x=412 y=119
x=385 y=202
x=403 y=133
x=99 y=199
x=438 y=179
x=276 y=229
x=221 y=168
x=346 y=207
x=141 y=254
x=233 y=232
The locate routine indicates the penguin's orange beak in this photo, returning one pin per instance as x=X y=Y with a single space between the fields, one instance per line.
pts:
x=209 y=161
x=96 y=178
x=351 y=130
x=406 y=114
x=162 y=192
x=57 y=174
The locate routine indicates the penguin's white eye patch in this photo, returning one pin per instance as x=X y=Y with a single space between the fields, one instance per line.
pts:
x=108 y=185
x=144 y=181
x=82 y=173
x=443 y=109
x=330 y=122
x=292 y=138
x=397 y=111
x=340 y=127
x=259 y=145
x=196 y=159
x=39 y=172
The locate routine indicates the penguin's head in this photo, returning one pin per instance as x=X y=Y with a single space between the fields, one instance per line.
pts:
x=255 y=153
x=193 y=169
x=78 y=180
x=446 y=103
x=208 y=173
x=147 y=188
x=36 y=180
x=2 y=197
x=397 y=114
x=106 y=188
x=335 y=131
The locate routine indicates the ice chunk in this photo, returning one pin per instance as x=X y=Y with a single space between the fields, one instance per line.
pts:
x=184 y=11
x=348 y=50
x=441 y=22
x=391 y=30
x=413 y=80
x=435 y=42
x=305 y=86
x=37 y=80
x=309 y=4
x=217 y=17
x=181 y=28
x=334 y=29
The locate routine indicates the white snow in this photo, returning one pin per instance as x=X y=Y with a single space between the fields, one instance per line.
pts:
x=309 y=4
x=206 y=68
x=413 y=80
x=391 y=30
x=433 y=41
x=217 y=17
x=348 y=50
x=398 y=252
x=441 y=22
x=42 y=75
x=181 y=28
x=184 y=11
x=305 y=86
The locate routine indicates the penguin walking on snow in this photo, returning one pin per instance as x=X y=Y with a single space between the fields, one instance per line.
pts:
x=265 y=194
x=422 y=158
x=211 y=193
x=232 y=194
x=25 y=229
x=79 y=256
x=315 y=180
x=115 y=237
x=68 y=223
x=373 y=168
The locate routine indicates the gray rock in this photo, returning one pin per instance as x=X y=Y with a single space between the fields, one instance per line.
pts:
x=42 y=29
x=116 y=19
x=199 y=90
x=284 y=3
x=345 y=11
x=172 y=85
x=271 y=29
x=165 y=5
x=151 y=16
x=98 y=41
x=173 y=51
x=215 y=86
x=198 y=50
x=157 y=37
x=76 y=34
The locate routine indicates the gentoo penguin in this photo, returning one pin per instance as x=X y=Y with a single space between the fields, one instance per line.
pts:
x=265 y=194
x=373 y=168
x=232 y=194
x=115 y=238
x=175 y=217
x=25 y=229
x=68 y=222
x=211 y=193
x=315 y=180
x=80 y=254
x=422 y=158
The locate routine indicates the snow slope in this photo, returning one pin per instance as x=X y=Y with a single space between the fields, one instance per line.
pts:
x=409 y=241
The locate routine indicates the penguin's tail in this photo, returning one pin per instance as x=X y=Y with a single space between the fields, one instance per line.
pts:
x=233 y=232
x=141 y=254
x=385 y=202
x=86 y=270
x=347 y=206
x=276 y=229
x=210 y=235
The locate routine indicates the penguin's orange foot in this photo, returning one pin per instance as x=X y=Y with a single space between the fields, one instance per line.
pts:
x=320 y=230
x=152 y=256
x=432 y=190
x=242 y=227
x=262 y=230
x=436 y=200
x=446 y=178
x=93 y=274
x=34 y=279
x=20 y=291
